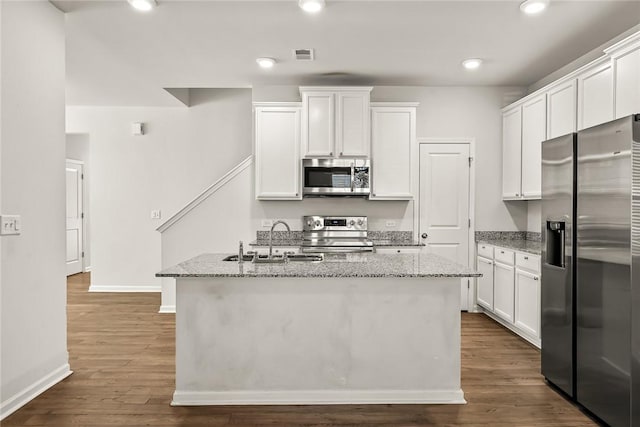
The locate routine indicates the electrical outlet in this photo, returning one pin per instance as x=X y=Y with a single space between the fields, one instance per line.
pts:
x=10 y=225
x=267 y=222
x=156 y=214
x=391 y=223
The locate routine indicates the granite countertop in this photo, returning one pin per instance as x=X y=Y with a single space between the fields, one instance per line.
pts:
x=334 y=265
x=522 y=245
x=286 y=242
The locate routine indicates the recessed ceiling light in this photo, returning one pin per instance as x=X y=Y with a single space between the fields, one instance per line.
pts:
x=532 y=7
x=311 y=6
x=472 y=64
x=266 y=62
x=143 y=5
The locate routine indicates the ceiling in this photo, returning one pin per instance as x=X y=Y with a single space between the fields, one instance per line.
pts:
x=119 y=56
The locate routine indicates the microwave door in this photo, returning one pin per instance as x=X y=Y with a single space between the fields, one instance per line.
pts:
x=327 y=179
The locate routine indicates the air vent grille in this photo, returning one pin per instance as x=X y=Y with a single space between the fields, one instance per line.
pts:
x=303 y=54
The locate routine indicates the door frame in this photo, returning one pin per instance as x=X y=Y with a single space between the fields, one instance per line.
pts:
x=471 y=142
x=84 y=216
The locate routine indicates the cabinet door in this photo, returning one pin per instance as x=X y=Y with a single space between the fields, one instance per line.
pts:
x=511 y=153
x=353 y=128
x=561 y=109
x=534 y=131
x=627 y=83
x=527 y=315
x=393 y=143
x=277 y=153
x=503 y=296
x=485 y=283
x=595 y=96
x=318 y=124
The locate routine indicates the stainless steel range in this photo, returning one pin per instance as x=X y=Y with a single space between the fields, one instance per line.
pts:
x=335 y=234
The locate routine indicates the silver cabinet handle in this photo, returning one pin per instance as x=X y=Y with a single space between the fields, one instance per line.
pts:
x=341 y=153
x=526 y=257
x=536 y=278
x=425 y=235
x=517 y=195
x=501 y=252
x=331 y=153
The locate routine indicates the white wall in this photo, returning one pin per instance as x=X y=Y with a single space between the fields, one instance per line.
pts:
x=77 y=148
x=33 y=305
x=183 y=151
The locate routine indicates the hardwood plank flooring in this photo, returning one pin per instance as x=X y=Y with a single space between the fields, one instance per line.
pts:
x=122 y=354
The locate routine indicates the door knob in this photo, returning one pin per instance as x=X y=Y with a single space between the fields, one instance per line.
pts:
x=425 y=235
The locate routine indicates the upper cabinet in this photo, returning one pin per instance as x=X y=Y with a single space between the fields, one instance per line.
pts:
x=335 y=121
x=595 y=95
x=561 y=109
x=277 y=151
x=393 y=151
x=625 y=62
x=524 y=129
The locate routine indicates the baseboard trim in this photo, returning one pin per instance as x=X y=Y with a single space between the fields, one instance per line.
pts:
x=23 y=397
x=125 y=288
x=317 y=397
x=167 y=309
x=519 y=332
x=87 y=269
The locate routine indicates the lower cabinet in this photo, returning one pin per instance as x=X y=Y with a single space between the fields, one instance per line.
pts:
x=509 y=289
x=504 y=286
x=485 y=283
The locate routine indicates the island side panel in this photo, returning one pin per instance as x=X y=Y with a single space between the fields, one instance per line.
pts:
x=317 y=340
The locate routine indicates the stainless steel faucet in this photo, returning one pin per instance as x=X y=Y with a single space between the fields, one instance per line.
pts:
x=241 y=253
x=271 y=234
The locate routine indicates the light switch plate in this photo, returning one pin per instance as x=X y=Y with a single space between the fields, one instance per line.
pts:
x=391 y=223
x=10 y=225
x=267 y=222
x=155 y=214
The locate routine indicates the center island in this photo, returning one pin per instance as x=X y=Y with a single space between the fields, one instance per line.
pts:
x=360 y=328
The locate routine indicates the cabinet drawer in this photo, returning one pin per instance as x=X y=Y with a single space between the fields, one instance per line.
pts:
x=398 y=250
x=485 y=250
x=528 y=262
x=504 y=256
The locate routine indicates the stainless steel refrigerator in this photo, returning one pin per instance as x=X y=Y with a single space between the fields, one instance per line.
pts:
x=590 y=245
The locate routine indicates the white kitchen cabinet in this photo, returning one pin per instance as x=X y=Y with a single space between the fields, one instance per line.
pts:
x=277 y=151
x=534 y=131
x=561 y=109
x=393 y=152
x=512 y=153
x=335 y=121
x=503 y=291
x=485 y=283
x=595 y=95
x=626 y=69
x=527 y=297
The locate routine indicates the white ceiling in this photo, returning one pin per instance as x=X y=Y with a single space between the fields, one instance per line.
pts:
x=118 y=56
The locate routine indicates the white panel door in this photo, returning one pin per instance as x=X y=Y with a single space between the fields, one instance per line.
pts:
x=485 y=283
x=393 y=140
x=353 y=126
x=534 y=131
x=595 y=96
x=527 y=310
x=74 y=217
x=561 y=109
x=318 y=124
x=277 y=153
x=511 y=153
x=444 y=203
x=503 y=291
x=627 y=78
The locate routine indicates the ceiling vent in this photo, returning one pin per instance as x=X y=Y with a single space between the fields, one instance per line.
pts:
x=303 y=54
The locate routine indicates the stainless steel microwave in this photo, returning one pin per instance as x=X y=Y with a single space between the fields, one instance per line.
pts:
x=336 y=177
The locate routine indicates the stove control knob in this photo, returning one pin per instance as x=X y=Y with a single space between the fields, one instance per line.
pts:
x=352 y=223
x=360 y=222
x=309 y=222
x=318 y=223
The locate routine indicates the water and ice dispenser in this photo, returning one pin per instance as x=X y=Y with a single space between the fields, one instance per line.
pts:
x=555 y=243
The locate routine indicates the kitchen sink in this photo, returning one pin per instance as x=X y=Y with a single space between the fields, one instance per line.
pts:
x=276 y=259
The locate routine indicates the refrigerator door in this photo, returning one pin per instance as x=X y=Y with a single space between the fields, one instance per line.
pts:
x=603 y=334
x=557 y=328
x=635 y=277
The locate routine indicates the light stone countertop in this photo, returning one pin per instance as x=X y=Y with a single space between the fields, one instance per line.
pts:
x=522 y=245
x=295 y=243
x=334 y=265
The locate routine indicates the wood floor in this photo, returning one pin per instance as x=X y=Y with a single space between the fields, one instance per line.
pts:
x=122 y=354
